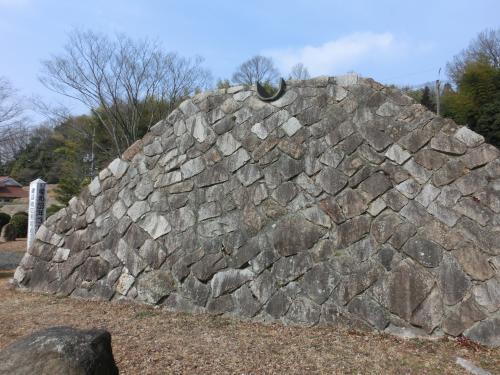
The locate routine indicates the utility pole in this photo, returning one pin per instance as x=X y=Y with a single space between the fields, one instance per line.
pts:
x=438 y=92
x=92 y=156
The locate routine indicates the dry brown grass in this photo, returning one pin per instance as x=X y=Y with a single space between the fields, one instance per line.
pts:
x=152 y=341
x=18 y=245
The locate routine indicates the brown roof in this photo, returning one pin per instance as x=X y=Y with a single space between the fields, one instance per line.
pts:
x=13 y=192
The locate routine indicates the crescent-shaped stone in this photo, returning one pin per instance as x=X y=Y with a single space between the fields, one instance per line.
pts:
x=261 y=92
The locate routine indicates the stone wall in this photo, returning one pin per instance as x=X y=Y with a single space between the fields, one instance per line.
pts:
x=343 y=200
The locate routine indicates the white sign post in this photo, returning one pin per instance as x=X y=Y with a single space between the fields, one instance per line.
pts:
x=36 y=213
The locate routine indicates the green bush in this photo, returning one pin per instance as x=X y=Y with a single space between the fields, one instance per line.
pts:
x=52 y=209
x=20 y=221
x=4 y=219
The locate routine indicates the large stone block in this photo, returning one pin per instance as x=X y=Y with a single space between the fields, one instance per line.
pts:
x=303 y=311
x=154 y=286
x=416 y=139
x=278 y=305
x=430 y=159
x=205 y=268
x=402 y=290
x=469 y=137
x=352 y=230
x=425 y=252
x=227 y=281
x=464 y=316
x=375 y=185
x=488 y=294
x=452 y=281
x=291 y=268
x=295 y=234
x=319 y=282
x=352 y=202
x=444 y=143
x=384 y=226
x=357 y=278
x=245 y=304
x=370 y=311
x=449 y=173
x=430 y=313
x=331 y=180
x=486 y=332
x=480 y=156
x=474 y=262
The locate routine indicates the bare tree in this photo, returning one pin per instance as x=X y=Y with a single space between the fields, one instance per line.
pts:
x=14 y=133
x=485 y=47
x=258 y=68
x=11 y=110
x=299 y=72
x=127 y=84
x=13 y=138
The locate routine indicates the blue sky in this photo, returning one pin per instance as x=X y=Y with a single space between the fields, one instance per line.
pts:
x=402 y=42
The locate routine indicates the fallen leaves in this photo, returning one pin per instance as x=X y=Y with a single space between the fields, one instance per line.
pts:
x=152 y=341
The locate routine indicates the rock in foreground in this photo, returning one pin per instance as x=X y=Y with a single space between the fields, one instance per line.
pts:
x=60 y=350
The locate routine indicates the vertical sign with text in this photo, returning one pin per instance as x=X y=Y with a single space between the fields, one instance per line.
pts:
x=36 y=213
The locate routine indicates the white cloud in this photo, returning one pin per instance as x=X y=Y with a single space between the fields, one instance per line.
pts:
x=341 y=55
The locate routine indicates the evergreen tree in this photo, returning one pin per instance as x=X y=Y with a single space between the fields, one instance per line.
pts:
x=426 y=99
x=476 y=102
x=223 y=83
x=68 y=187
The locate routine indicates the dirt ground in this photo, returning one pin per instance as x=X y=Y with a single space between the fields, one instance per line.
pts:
x=153 y=341
x=18 y=245
x=11 y=254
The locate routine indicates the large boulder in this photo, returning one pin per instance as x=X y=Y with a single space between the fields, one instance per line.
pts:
x=60 y=350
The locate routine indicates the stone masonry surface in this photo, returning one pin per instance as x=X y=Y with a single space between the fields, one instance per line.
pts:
x=344 y=200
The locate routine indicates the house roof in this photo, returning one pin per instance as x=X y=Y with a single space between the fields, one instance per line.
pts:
x=13 y=192
x=10 y=188
x=9 y=181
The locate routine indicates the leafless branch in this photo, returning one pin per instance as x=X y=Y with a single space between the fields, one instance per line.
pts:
x=485 y=47
x=258 y=68
x=122 y=81
x=14 y=124
x=11 y=108
x=299 y=72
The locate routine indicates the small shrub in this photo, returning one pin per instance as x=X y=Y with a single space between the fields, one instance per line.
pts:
x=52 y=209
x=21 y=213
x=269 y=88
x=20 y=221
x=4 y=219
